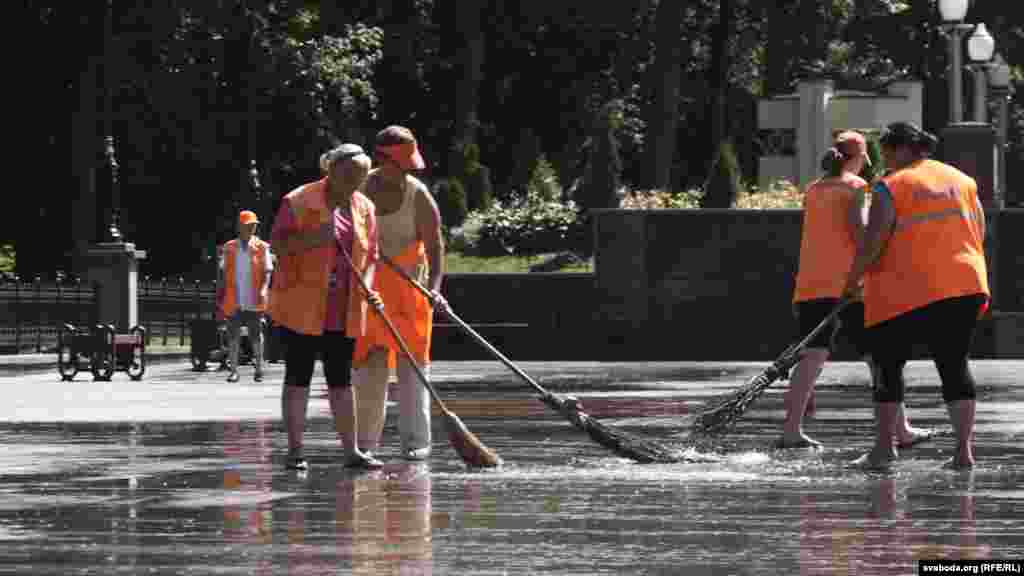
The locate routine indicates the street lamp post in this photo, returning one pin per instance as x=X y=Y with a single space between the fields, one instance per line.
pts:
x=999 y=81
x=980 y=46
x=953 y=13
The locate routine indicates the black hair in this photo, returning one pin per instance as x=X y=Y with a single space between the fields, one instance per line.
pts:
x=909 y=135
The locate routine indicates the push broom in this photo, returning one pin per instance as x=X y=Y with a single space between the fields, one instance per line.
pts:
x=622 y=443
x=723 y=413
x=466 y=444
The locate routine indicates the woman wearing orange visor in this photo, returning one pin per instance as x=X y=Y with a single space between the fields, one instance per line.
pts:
x=409 y=226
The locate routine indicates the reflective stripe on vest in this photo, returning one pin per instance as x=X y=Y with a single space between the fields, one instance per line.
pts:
x=935 y=251
x=257 y=278
x=929 y=216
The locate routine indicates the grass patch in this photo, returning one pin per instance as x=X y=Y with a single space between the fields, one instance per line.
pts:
x=458 y=263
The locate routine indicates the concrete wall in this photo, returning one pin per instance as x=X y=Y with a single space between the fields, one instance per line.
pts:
x=683 y=285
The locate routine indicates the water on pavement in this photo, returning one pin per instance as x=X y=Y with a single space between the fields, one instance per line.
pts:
x=181 y=473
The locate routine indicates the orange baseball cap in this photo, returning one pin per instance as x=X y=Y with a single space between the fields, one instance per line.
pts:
x=247 y=217
x=853 y=143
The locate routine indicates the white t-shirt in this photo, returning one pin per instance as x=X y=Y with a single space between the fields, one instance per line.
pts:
x=243 y=273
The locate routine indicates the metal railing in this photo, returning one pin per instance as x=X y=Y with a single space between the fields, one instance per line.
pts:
x=32 y=311
x=167 y=307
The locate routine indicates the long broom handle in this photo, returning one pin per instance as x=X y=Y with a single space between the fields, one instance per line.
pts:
x=398 y=337
x=469 y=330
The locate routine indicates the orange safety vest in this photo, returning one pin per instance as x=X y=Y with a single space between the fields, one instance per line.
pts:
x=405 y=306
x=298 y=293
x=827 y=245
x=936 y=250
x=258 y=274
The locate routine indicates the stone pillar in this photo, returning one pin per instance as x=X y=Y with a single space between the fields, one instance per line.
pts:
x=814 y=130
x=113 y=268
x=972 y=147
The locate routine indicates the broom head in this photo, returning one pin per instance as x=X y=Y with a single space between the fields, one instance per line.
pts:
x=468 y=446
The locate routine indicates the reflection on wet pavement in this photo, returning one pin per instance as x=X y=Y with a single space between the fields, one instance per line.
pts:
x=165 y=493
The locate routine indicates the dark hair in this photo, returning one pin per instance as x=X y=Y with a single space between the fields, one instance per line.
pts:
x=833 y=160
x=908 y=135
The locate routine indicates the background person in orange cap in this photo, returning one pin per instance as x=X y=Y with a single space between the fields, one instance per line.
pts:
x=242 y=285
x=410 y=236
x=315 y=299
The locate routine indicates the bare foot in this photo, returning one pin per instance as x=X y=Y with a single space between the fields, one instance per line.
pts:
x=797 y=441
x=913 y=436
x=876 y=460
x=959 y=463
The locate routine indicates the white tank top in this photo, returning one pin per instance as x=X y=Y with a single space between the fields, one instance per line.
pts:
x=398 y=229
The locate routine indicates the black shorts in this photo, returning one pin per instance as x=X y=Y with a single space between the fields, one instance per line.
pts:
x=849 y=328
x=302 y=350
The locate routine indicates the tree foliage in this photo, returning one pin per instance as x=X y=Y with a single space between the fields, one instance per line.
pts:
x=200 y=88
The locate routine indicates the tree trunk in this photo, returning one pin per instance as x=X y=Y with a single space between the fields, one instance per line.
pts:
x=777 y=54
x=468 y=76
x=720 y=63
x=665 y=76
x=400 y=76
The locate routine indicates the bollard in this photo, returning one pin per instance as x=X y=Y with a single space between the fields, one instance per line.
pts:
x=17 y=314
x=39 y=319
x=163 y=298
x=181 y=298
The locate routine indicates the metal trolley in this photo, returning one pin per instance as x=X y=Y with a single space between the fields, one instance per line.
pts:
x=102 y=351
x=210 y=344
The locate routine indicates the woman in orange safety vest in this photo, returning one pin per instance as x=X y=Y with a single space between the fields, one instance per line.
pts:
x=314 y=298
x=925 y=282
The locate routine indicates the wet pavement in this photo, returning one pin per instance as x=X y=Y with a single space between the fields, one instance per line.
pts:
x=181 y=474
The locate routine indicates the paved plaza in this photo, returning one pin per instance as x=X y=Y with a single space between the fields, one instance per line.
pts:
x=181 y=473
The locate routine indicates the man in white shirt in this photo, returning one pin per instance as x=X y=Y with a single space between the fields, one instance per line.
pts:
x=242 y=286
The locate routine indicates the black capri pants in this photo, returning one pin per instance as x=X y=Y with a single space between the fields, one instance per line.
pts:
x=301 y=351
x=850 y=325
x=946 y=327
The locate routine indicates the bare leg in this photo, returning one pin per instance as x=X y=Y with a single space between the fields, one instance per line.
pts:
x=800 y=386
x=906 y=435
x=343 y=407
x=961 y=415
x=294 y=400
x=884 y=451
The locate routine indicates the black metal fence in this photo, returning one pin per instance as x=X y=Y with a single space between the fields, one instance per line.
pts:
x=33 y=310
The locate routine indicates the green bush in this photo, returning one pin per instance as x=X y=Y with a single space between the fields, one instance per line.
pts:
x=475 y=177
x=451 y=201
x=479 y=191
x=527 y=226
x=543 y=182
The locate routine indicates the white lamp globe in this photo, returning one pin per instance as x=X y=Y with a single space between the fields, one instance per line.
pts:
x=981 y=45
x=953 y=10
